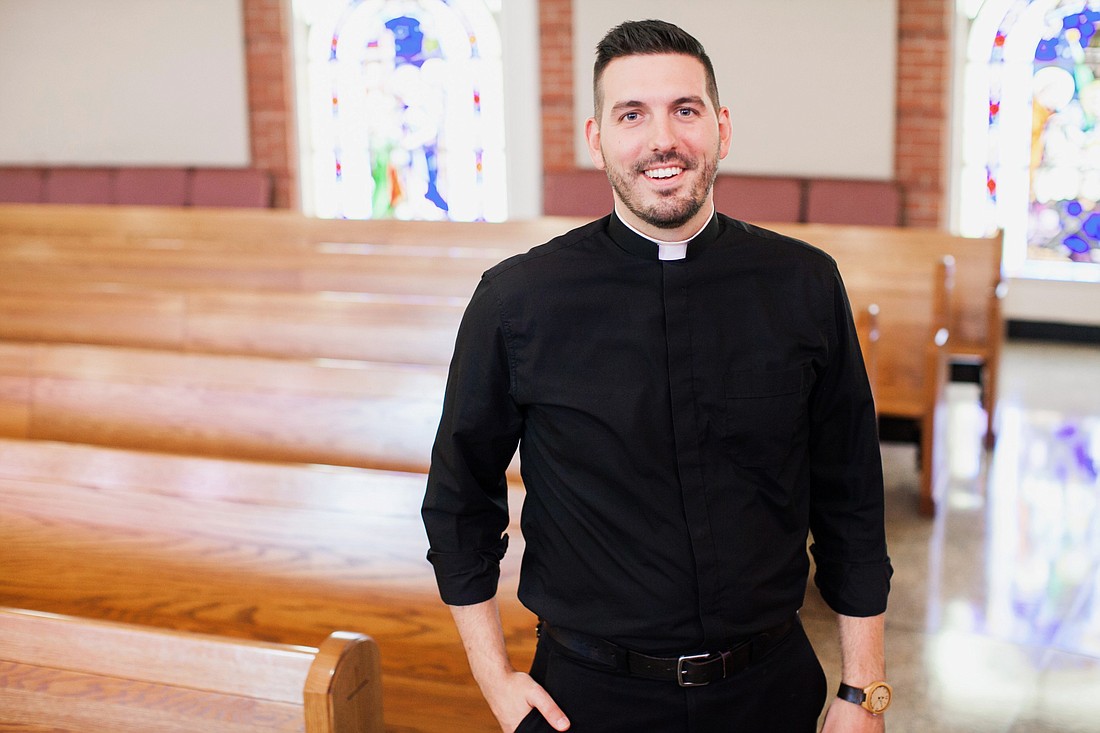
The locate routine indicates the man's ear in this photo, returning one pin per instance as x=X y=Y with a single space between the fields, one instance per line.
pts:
x=592 y=135
x=725 y=132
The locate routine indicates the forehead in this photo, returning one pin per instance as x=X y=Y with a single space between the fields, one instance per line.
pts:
x=653 y=78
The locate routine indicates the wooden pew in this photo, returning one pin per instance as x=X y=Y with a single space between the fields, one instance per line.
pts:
x=337 y=267
x=279 y=250
x=68 y=674
x=330 y=325
x=976 y=318
x=244 y=549
x=905 y=340
x=335 y=412
x=905 y=352
x=267 y=230
x=882 y=258
x=311 y=325
x=349 y=413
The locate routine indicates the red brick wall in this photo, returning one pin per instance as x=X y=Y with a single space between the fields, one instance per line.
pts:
x=923 y=88
x=270 y=95
x=922 y=92
x=559 y=131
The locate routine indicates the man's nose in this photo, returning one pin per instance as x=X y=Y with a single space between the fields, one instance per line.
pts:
x=662 y=134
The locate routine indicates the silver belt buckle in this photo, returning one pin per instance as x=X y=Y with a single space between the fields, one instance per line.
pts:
x=680 y=671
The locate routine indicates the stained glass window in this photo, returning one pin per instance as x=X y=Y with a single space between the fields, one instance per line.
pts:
x=405 y=113
x=1031 y=137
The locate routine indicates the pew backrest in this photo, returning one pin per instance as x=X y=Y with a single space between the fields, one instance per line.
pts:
x=344 y=413
x=905 y=336
x=63 y=673
x=266 y=230
x=887 y=259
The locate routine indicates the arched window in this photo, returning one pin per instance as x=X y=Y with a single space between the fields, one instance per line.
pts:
x=1031 y=141
x=403 y=114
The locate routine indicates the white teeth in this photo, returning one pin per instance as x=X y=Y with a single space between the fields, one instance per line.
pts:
x=663 y=172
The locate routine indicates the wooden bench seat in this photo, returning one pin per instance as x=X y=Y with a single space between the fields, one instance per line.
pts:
x=329 y=325
x=76 y=675
x=278 y=552
x=349 y=413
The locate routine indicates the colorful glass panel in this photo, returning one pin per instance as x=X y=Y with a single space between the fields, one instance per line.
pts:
x=1035 y=64
x=1065 y=143
x=405 y=117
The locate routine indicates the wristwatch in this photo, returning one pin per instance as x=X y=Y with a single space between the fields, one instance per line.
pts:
x=874 y=698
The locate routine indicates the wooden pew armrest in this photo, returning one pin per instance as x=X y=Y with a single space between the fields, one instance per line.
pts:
x=343 y=690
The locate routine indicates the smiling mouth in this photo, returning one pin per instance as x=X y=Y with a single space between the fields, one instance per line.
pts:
x=663 y=173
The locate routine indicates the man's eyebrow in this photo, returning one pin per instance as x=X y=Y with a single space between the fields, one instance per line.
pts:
x=627 y=104
x=636 y=104
x=693 y=99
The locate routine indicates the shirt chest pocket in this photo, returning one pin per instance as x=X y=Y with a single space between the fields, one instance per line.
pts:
x=763 y=412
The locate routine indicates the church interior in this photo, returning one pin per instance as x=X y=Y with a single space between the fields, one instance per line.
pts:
x=237 y=239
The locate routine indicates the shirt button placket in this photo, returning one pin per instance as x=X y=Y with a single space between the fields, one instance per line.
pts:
x=678 y=334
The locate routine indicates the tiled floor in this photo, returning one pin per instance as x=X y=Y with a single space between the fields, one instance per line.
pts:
x=994 y=617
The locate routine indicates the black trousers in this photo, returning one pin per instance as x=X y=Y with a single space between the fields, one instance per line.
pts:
x=783 y=692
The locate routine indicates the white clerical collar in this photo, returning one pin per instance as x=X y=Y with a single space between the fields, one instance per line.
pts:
x=670 y=250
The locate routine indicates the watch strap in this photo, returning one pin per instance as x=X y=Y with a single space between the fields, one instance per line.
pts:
x=854 y=695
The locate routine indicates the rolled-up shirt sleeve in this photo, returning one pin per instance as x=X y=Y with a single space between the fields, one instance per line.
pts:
x=465 y=508
x=846 y=516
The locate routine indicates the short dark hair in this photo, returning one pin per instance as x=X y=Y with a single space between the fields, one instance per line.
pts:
x=638 y=37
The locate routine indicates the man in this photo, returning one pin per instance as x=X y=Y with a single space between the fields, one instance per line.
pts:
x=689 y=400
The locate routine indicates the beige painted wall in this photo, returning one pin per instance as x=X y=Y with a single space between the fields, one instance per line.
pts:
x=137 y=82
x=810 y=84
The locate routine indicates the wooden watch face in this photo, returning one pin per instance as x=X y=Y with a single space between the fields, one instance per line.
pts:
x=878 y=699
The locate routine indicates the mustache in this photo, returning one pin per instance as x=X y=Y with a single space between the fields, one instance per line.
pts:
x=664 y=161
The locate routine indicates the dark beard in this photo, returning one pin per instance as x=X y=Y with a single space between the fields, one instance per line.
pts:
x=672 y=212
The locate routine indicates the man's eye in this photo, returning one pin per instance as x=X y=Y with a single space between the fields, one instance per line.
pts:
x=685 y=112
x=631 y=116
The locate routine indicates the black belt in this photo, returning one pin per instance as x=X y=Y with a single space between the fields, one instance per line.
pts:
x=688 y=670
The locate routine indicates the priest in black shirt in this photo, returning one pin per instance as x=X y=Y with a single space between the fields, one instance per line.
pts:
x=689 y=402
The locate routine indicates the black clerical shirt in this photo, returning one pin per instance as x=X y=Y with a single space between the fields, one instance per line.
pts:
x=681 y=426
